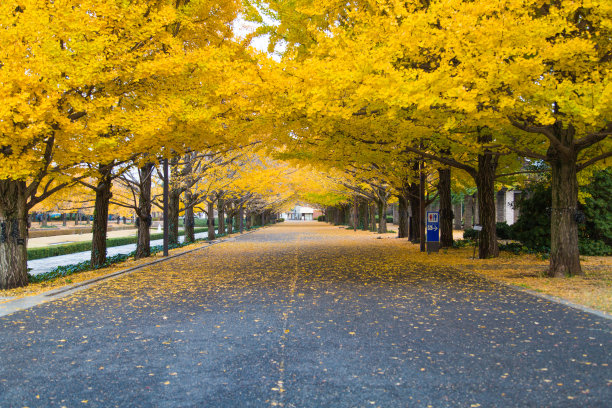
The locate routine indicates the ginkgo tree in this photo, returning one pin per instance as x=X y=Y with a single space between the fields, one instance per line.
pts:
x=484 y=76
x=78 y=77
x=54 y=56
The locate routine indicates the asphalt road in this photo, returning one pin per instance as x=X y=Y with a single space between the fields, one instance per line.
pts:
x=303 y=316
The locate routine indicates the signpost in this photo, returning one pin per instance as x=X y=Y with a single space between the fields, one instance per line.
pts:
x=433 y=231
x=477 y=228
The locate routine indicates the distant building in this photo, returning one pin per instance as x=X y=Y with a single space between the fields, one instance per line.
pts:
x=301 y=213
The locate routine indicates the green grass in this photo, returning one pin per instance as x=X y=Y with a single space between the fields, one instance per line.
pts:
x=67 y=270
x=65 y=249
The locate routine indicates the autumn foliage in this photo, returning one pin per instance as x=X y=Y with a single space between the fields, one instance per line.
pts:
x=383 y=97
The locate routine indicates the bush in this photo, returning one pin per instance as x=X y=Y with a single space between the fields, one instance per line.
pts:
x=594 y=248
x=470 y=234
x=197 y=222
x=594 y=234
x=533 y=225
x=321 y=218
x=280 y=220
x=514 y=247
x=503 y=230
x=461 y=243
x=390 y=219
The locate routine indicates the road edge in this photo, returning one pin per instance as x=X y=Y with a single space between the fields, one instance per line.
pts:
x=16 y=305
x=551 y=298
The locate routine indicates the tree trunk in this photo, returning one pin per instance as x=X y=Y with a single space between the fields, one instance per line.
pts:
x=76 y=218
x=189 y=224
x=230 y=224
x=363 y=215
x=382 y=216
x=446 y=208
x=174 y=199
x=13 y=234
x=415 y=219
x=564 y=254
x=476 y=208
x=143 y=246
x=355 y=214
x=100 y=222
x=346 y=210
x=63 y=219
x=221 y=215
x=486 y=203
x=45 y=218
x=403 y=220
x=457 y=216
x=373 y=217
x=211 y=221
x=241 y=215
x=468 y=215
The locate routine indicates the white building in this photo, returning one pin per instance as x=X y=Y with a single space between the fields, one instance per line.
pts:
x=299 y=213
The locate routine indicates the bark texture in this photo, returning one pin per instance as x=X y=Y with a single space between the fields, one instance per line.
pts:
x=403 y=219
x=100 y=221
x=373 y=210
x=363 y=215
x=189 y=224
x=230 y=224
x=221 y=215
x=241 y=222
x=485 y=182
x=211 y=221
x=143 y=213
x=13 y=234
x=457 y=216
x=446 y=208
x=382 y=216
x=174 y=199
x=415 y=219
x=468 y=215
x=564 y=254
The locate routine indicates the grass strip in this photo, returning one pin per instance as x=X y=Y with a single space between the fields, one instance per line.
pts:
x=74 y=247
x=67 y=270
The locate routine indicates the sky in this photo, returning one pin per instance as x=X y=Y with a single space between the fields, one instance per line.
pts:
x=242 y=28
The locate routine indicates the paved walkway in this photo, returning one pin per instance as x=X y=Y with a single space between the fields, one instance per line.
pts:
x=303 y=316
x=38 y=266
x=86 y=236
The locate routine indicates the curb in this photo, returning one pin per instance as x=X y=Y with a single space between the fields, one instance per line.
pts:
x=540 y=295
x=27 y=302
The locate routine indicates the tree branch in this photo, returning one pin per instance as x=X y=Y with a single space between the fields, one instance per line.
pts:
x=593 y=138
x=589 y=162
x=542 y=130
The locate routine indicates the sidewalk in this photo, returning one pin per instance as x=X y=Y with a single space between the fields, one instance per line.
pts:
x=66 y=239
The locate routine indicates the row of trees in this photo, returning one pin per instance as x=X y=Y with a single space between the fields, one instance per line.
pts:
x=482 y=88
x=390 y=94
x=97 y=92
